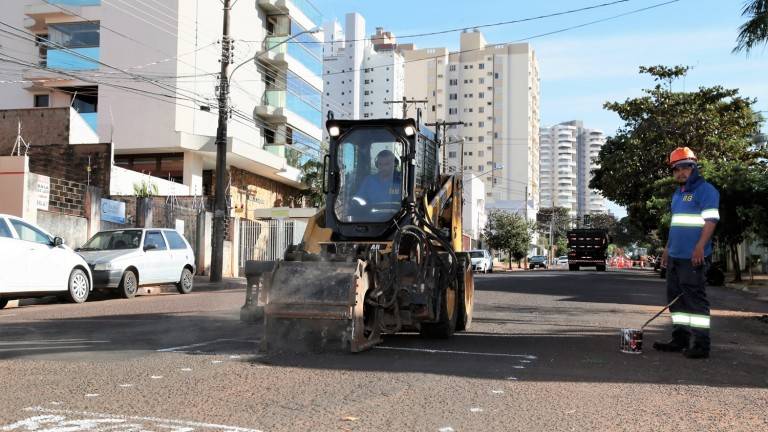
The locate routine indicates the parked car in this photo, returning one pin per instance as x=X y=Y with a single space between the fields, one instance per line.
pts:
x=33 y=263
x=537 y=261
x=562 y=260
x=482 y=260
x=129 y=258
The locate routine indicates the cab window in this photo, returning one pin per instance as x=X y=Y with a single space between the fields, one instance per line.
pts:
x=4 y=230
x=174 y=240
x=29 y=233
x=155 y=238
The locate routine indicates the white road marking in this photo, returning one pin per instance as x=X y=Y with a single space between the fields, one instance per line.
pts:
x=216 y=361
x=92 y=395
x=234 y=357
x=476 y=409
x=512 y=378
x=156 y=376
x=55 y=403
x=50 y=341
x=497 y=391
x=7 y=315
x=519 y=367
x=183 y=347
x=186 y=370
x=434 y=351
x=58 y=347
x=63 y=421
x=126 y=385
x=446 y=429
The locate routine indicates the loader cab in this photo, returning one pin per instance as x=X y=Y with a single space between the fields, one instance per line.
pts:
x=368 y=175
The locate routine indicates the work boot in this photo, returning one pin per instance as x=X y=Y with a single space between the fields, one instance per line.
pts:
x=697 y=352
x=672 y=346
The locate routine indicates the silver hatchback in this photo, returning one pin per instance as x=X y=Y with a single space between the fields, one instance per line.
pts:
x=129 y=258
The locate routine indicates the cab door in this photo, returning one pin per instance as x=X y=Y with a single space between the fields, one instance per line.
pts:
x=45 y=266
x=13 y=261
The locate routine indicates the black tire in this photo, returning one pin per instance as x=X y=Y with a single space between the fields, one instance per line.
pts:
x=3 y=303
x=446 y=325
x=601 y=268
x=78 y=286
x=129 y=285
x=573 y=267
x=186 y=282
x=465 y=300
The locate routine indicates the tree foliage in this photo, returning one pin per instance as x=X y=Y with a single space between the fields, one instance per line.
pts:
x=715 y=122
x=508 y=232
x=312 y=177
x=560 y=221
x=754 y=31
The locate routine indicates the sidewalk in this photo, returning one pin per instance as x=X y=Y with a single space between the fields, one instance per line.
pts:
x=758 y=286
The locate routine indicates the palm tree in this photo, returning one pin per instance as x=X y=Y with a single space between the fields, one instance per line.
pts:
x=755 y=31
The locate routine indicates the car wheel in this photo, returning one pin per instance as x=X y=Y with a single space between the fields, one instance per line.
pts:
x=79 y=286
x=185 y=284
x=129 y=285
x=3 y=303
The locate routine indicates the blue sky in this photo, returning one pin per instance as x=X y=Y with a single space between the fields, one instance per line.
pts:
x=582 y=68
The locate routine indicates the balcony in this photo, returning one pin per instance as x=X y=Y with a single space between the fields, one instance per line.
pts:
x=276 y=104
x=276 y=52
x=39 y=9
x=285 y=7
x=73 y=59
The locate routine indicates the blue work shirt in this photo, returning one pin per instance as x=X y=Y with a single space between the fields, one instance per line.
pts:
x=377 y=190
x=692 y=205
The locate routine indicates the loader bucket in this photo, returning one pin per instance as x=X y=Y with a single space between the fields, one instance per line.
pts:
x=317 y=306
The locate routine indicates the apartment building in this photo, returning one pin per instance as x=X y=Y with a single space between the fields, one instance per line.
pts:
x=568 y=151
x=144 y=76
x=361 y=73
x=494 y=90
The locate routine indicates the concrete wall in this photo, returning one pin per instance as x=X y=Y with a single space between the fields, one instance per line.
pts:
x=73 y=229
x=13 y=174
x=39 y=126
x=122 y=181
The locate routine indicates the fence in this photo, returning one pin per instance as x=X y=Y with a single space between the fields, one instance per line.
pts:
x=267 y=240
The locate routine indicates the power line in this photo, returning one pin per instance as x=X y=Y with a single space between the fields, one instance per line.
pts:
x=496 y=24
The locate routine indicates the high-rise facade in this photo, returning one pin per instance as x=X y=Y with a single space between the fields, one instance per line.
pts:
x=568 y=153
x=144 y=76
x=494 y=91
x=361 y=73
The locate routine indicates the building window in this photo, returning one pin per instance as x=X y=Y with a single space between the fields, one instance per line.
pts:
x=452 y=68
x=481 y=95
x=466 y=66
x=469 y=138
x=480 y=124
x=496 y=75
x=481 y=80
x=479 y=167
x=433 y=108
x=481 y=66
x=480 y=139
x=480 y=153
x=453 y=96
x=41 y=101
x=481 y=109
x=452 y=155
x=366 y=92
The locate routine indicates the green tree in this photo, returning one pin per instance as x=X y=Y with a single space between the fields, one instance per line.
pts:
x=715 y=122
x=508 y=232
x=559 y=219
x=312 y=177
x=754 y=31
x=605 y=221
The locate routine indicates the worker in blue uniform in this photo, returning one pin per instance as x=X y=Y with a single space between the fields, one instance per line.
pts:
x=687 y=256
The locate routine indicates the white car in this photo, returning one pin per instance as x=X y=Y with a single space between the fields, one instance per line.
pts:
x=34 y=263
x=129 y=258
x=562 y=260
x=482 y=261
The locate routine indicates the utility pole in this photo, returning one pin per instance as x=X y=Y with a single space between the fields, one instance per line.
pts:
x=405 y=103
x=220 y=204
x=442 y=138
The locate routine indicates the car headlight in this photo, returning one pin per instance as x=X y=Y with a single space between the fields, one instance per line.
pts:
x=102 y=266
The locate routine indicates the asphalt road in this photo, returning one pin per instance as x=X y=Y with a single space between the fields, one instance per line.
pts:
x=542 y=354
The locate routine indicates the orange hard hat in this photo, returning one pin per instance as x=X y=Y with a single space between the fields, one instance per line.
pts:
x=682 y=155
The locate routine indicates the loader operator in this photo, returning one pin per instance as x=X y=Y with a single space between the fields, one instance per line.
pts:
x=381 y=191
x=687 y=256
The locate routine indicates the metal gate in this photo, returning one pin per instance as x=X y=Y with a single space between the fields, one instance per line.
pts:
x=267 y=239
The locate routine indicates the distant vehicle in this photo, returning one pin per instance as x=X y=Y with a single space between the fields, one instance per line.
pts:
x=587 y=248
x=482 y=261
x=34 y=263
x=127 y=259
x=562 y=260
x=537 y=261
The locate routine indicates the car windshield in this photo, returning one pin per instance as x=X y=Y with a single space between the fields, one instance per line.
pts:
x=476 y=254
x=371 y=176
x=114 y=240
